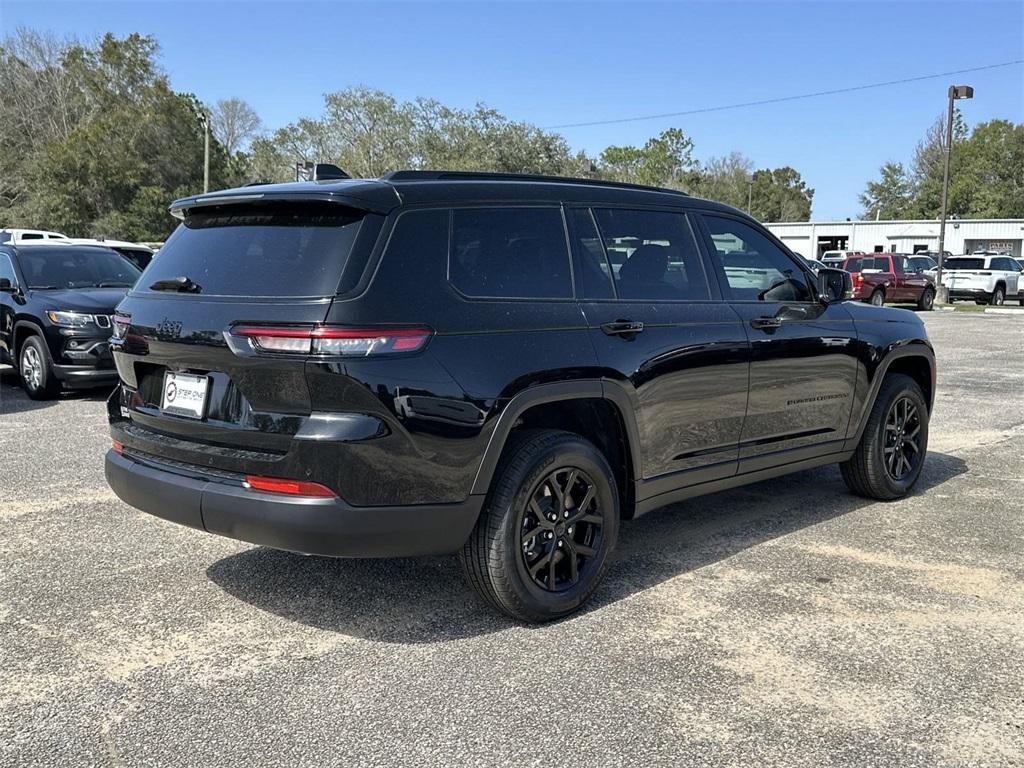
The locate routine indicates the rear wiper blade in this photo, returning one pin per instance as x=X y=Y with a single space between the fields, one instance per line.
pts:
x=182 y=284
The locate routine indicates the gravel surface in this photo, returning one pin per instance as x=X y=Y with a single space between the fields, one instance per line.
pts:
x=786 y=623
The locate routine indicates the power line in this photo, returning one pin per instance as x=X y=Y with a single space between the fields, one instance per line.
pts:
x=779 y=99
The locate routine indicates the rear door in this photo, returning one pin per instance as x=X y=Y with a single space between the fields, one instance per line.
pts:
x=247 y=265
x=803 y=354
x=663 y=334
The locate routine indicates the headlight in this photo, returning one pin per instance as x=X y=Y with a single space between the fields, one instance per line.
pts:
x=71 y=319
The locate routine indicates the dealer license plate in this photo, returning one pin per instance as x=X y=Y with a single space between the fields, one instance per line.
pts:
x=185 y=394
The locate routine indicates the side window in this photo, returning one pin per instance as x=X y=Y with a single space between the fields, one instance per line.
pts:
x=652 y=255
x=755 y=268
x=510 y=253
x=31 y=236
x=593 y=272
x=7 y=269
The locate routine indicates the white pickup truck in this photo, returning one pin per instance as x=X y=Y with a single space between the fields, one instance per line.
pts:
x=987 y=278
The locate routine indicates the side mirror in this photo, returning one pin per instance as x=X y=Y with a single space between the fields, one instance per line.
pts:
x=834 y=285
x=5 y=285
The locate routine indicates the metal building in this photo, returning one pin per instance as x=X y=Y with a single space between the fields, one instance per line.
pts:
x=812 y=238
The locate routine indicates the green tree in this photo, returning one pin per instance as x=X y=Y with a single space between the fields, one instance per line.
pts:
x=663 y=161
x=727 y=179
x=123 y=145
x=891 y=197
x=780 y=194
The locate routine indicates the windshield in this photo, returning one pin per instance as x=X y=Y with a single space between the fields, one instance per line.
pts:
x=963 y=263
x=66 y=266
x=273 y=249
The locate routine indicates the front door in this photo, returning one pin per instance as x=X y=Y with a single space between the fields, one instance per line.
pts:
x=662 y=333
x=803 y=353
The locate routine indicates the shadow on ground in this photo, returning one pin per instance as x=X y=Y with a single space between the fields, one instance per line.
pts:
x=425 y=600
x=14 y=400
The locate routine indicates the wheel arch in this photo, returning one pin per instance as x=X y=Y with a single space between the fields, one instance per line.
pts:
x=599 y=410
x=22 y=330
x=915 y=359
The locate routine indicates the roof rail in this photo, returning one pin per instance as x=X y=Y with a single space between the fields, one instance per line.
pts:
x=495 y=176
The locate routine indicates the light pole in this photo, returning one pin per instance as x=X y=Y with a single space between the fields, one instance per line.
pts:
x=955 y=92
x=204 y=116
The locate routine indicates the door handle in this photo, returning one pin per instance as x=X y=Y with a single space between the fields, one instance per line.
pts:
x=622 y=327
x=766 y=323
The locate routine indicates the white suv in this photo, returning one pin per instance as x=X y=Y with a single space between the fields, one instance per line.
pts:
x=987 y=278
x=22 y=236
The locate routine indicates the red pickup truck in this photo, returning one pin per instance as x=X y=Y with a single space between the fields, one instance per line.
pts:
x=892 y=277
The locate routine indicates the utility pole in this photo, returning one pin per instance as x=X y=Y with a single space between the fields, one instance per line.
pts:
x=206 y=150
x=750 y=195
x=955 y=92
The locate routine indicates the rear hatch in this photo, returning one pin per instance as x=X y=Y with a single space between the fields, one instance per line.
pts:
x=195 y=388
x=966 y=274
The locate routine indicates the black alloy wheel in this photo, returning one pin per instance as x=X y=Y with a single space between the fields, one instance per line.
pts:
x=544 y=538
x=561 y=529
x=901 y=448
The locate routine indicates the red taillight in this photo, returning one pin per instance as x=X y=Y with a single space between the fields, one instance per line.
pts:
x=118 y=448
x=288 y=487
x=858 y=279
x=333 y=341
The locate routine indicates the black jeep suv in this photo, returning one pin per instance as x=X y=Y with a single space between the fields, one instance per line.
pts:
x=56 y=305
x=503 y=367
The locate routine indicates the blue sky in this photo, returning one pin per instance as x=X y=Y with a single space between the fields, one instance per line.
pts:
x=561 y=62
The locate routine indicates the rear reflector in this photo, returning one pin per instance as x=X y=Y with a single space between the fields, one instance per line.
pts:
x=288 y=487
x=333 y=341
x=118 y=448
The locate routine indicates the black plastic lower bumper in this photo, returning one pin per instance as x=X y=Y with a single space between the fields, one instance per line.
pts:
x=84 y=375
x=312 y=526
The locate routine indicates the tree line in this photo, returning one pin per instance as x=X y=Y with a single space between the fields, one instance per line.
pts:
x=94 y=141
x=986 y=178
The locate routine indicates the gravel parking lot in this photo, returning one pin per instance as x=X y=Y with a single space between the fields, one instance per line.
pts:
x=787 y=623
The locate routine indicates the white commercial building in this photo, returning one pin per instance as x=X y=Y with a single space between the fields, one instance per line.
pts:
x=812 y=238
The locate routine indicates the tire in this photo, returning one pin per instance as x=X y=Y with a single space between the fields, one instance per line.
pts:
x=866 y=473
x=927 y=300
x=497 y=557
x=36 y=371
x=877 y=298
x=998 y=297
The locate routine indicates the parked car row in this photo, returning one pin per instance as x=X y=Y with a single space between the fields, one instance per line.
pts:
x=878 y=278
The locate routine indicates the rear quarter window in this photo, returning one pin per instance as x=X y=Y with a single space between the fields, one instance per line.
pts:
x=278 y=249
x=510 y=253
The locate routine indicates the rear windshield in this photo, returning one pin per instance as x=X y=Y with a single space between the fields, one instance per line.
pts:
x=65 y=266
x=281 y=249
x=963 y=264
x=865 y=263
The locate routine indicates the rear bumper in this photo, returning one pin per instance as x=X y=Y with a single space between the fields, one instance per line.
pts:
x=314 y=526
x=969 y=293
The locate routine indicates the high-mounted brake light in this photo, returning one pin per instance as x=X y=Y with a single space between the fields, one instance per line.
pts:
x=332 y=341
x=288 y=487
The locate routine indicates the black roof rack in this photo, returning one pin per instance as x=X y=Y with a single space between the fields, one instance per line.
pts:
x=495 y=176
